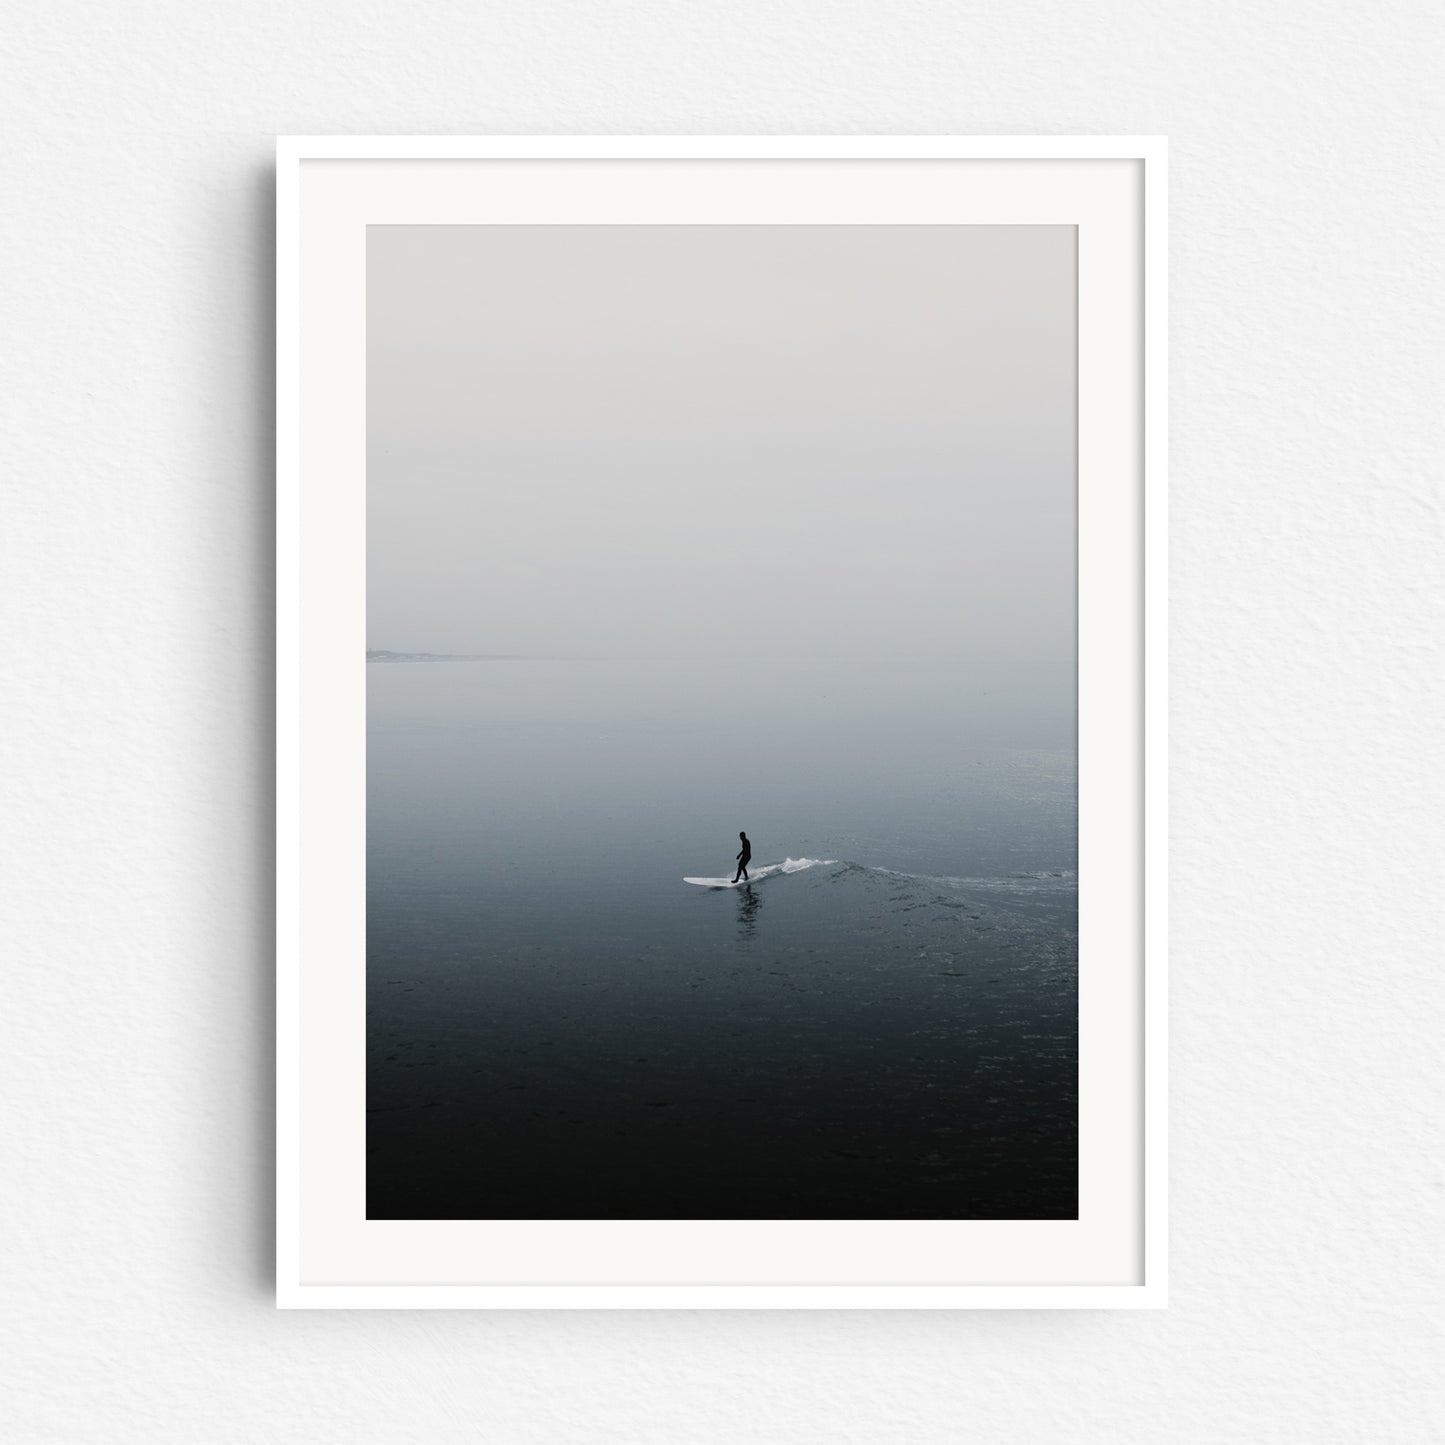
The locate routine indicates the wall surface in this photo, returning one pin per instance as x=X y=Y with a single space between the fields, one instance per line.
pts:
x=135 y=1047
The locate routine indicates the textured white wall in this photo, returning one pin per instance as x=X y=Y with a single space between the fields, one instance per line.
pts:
x=137 y=1000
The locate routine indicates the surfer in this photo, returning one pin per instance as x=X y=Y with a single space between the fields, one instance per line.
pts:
x=743 y=856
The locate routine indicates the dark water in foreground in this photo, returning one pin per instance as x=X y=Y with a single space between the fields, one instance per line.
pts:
x=559 y=1027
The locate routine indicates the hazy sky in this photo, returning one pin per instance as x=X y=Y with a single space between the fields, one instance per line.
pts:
x=655 y=440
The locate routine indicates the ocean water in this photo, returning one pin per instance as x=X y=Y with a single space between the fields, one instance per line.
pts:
x=883 y=1025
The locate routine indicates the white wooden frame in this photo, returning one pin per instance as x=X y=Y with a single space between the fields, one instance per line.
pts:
x=1113 y=188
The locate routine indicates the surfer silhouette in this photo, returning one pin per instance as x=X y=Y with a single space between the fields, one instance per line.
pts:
x=744 y=854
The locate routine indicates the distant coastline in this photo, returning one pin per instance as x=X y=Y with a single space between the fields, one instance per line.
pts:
x=383 y=656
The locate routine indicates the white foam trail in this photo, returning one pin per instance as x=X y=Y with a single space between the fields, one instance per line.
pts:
x=1012 y=883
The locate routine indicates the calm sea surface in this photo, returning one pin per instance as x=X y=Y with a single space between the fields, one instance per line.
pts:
x=560 y=1027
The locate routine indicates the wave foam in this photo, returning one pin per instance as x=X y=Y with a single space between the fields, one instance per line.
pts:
x=768 y=870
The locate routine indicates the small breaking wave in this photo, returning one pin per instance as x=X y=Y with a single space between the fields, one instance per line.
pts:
x=768 y=870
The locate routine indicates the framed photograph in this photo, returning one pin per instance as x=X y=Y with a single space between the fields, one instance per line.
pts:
x=721 y=675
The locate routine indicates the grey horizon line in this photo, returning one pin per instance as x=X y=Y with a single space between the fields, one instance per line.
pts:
x=386 y=654
x=381 y=654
